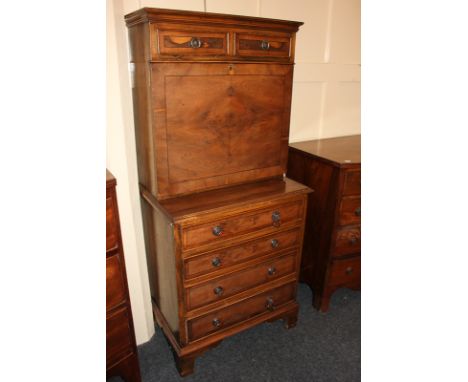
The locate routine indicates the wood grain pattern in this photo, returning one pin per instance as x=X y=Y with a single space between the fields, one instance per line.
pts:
x=333 y=234
x=262 y=45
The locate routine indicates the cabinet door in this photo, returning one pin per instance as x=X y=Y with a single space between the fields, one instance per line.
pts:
x=219 y=124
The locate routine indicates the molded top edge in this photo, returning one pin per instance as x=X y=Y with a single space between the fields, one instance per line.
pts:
x=159 y=14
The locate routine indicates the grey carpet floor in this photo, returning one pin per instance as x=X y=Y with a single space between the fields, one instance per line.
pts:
x=321 y=348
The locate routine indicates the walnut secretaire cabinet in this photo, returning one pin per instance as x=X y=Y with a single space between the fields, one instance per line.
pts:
x=223 y=226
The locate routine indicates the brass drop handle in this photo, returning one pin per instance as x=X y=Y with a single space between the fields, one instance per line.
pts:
x=349 y=270
x=357 y=211
x=271 y=270
x=270 y=304
x=195 y=43
x=216 y=322
x=274 y=243
x=265 y=45
x=218 y=230
x=218 y=291
x=276 y=218
x=216 y=262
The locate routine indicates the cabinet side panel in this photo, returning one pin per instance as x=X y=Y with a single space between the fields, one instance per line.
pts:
x=166 y=270
x=141 y=78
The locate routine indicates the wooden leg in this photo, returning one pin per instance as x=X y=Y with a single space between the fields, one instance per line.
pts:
x=321 y=300
x=290 y=320
x=185 y=365
x=128 y=369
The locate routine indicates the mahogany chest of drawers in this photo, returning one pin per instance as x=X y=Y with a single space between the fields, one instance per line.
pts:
x=332 y=245
x=121 y=351
x=223 y=226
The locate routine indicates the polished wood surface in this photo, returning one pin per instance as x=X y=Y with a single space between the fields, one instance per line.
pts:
x=339 y=151
x=332 y=243
x=121 y=350
x=223 y=225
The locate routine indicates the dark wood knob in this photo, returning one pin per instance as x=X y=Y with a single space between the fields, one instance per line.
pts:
x=218 y=230
x=357 y=211
x=265 y=45
x=274 y=243
x=216 y=262
x=349 y=270
x=353 y=240
x=270 y=304
x=195 y=43
x=218 y=291
x=271 y=270
x=216 y=322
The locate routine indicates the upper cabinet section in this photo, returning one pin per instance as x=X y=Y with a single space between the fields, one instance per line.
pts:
x=198 y=36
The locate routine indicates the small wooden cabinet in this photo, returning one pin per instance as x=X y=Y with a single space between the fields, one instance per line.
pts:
x=223 y=226
x=332 y=245
x=121 y=351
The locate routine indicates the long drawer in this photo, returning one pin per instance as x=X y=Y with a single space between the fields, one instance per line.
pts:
x=115 y=285
x=347 y=241
x=222 y=259
x=229 y=285
x=345 y=271
x=350 y=210
x=118 y=335
x=227 y=317
x=220 y=230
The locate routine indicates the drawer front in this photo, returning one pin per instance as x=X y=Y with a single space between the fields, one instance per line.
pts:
x=217 y=260
x=257 y=45
x=226 y=286
x=115 y=285
x=227 y=317
x=188 y=42
x=118 y=335
x=111 y=225
x=348 y=241
x=346 y=271
x=220 y=230
x=352 y=182
x=350 y=210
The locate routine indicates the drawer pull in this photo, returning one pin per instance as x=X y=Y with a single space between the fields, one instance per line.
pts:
x=349 y=270
x=218 y=291
x=218 y=230
x=357 y=211
x=216 y=262
x=216 y=323
x=274 y=243
x=353 y=240
x=265 y=45
x=276 y=218
x=195 y=43
x=271 y=270
x=270 y=304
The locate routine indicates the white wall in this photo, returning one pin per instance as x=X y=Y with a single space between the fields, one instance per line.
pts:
x=326 y=101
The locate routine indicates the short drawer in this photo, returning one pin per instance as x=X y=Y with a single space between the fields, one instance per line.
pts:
x=189 y=42
x=112 y=234
x=352 y=182
x=115 y=284
x=348 y=241
x=222 y=287
x=217 y=231
x=222 y=259
x=237 y=313
x=345 y=271
x=258 y=45
x=350 y=210
x=118 y=335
